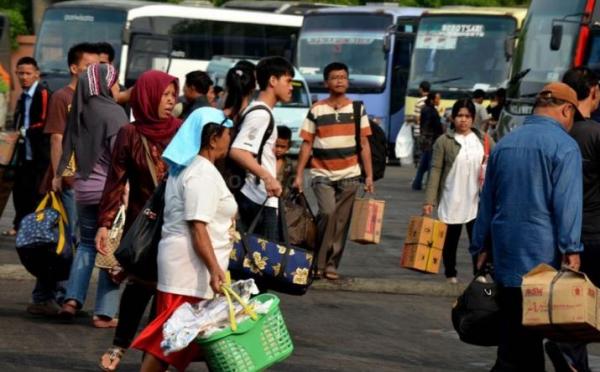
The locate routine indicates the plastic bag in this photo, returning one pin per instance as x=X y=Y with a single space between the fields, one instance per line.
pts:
x=405 y=145
x=204 y=318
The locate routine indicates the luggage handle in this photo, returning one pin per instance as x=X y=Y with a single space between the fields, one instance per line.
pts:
x=52 y=200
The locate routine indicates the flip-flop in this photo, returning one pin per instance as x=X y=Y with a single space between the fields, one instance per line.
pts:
x=331 y=275
x=67 y=312
x=11 y=232
x=114 y=354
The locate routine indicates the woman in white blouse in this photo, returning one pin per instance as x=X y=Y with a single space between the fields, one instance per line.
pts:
x=193 y=253
x=456 y=178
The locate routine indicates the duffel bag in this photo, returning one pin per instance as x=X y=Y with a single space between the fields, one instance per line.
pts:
x=43 y=242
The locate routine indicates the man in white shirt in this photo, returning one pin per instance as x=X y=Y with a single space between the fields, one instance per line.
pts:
x=274 y=76
x=482 y=117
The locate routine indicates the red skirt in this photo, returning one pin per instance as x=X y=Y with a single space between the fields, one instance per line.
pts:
x=150 y=338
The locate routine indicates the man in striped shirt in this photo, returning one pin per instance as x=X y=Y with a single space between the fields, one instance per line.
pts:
x=329 y=133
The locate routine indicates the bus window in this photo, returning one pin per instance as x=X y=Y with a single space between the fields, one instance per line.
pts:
x=401 y=68
x=200 y=39
x=63 y=28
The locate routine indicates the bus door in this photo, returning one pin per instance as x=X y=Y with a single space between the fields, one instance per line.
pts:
x=147 y=52
x=404 y=41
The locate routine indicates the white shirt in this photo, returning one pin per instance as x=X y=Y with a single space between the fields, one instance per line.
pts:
x=198 y=193
x=249 y=138
x=460 y=195
x=481 y=115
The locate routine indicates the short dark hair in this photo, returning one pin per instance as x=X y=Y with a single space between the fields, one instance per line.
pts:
x=425 y=86
x=582 y=80
x=199 y=80
x=106 y=48
x=334 y=66
x=27 y=61
x=430 y=98
x=463 y=103
x=272 y=66
x=478 y=93
x=500 y=93
x=284 y=132
x=76 y=52
x=217 y=89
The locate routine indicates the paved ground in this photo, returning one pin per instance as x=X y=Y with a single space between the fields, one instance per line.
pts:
x=332 y=330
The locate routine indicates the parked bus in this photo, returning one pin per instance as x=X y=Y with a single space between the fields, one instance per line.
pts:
x=556 y=36
x=145 y=35
x=275 y=6
x=461 y=49
x=376 y=43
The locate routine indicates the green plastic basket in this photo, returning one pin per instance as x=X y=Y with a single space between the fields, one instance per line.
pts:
x=256 y=345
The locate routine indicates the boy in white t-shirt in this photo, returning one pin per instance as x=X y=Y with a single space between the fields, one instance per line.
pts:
x=274 y=76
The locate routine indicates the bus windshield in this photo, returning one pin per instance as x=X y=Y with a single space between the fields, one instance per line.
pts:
x=354 y=39
x=533 y=48
x=461 y=52
x=62 y=28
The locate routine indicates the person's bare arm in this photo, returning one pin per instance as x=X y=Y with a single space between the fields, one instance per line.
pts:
x=365 y=155
x=246 y=160
x=55 y=155
x=305 y=150
x=204 y=249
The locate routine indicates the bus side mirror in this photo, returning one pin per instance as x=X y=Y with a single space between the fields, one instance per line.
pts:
x=509 y=47
x=556 y=38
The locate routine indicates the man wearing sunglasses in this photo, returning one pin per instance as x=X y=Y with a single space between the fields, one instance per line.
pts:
x=531 y=207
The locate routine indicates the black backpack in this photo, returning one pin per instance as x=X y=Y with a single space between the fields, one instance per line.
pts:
x=234 y=175
x=377 y=142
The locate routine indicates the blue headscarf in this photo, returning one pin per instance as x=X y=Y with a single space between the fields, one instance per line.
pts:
x=187 y=142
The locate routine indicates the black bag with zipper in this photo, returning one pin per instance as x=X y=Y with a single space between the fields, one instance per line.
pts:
x=475 y=314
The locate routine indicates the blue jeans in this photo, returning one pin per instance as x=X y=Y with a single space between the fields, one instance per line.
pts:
x=46 y=291
x=107 y=295
x=424 y=167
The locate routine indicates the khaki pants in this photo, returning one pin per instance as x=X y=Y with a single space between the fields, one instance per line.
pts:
x=335 y=200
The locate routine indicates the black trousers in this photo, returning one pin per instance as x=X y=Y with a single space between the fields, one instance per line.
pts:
x=134 y=301
x=25 y=191
x=519 y=350
x=590 y=257
x=451 y=245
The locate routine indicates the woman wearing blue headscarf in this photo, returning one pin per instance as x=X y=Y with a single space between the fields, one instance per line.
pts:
x=197 y=239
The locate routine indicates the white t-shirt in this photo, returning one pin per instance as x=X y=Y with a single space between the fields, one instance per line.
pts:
x=249 y=138
x=481 y=115
x=460 y=195
x=198 y=193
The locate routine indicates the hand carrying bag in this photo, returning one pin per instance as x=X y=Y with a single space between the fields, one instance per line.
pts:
x=301 y=222
x=282 y=267
x=43 y=243
x=115 y=234
x=138 y=249
x=475 y=314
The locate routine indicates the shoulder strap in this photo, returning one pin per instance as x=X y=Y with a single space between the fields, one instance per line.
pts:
x=356 y=111
x=149 y=160
x=268 y=132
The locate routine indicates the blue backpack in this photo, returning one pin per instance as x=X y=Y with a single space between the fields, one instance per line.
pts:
x=43 y=244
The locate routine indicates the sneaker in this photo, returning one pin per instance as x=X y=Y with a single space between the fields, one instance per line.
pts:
x=46 y=308
x=452 y=280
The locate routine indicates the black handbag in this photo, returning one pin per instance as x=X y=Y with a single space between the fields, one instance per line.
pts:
x=138 y=249
x=475 y=314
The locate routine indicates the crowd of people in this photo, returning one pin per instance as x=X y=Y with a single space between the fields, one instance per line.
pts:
x=222 y=160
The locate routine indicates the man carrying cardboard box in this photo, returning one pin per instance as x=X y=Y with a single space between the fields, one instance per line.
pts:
x=531 y=207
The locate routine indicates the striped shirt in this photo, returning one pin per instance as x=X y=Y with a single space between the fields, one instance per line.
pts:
x=332 y=133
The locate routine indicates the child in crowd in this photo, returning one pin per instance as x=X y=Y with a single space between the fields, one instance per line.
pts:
x=285 y=166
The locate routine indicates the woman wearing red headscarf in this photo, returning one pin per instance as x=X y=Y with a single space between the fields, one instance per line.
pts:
x=152 y=100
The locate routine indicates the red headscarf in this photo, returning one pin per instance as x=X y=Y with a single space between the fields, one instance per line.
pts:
x=145 y=98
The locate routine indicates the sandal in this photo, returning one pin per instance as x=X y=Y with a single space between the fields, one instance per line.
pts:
x=332 y=275
x=113 y=356
x=104 y=322
x=68 y=310
x=11 y=232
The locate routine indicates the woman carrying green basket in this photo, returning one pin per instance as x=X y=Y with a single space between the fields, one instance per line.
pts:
x=197 y=239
